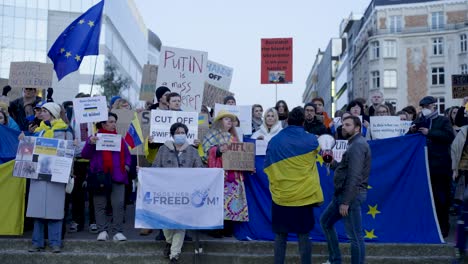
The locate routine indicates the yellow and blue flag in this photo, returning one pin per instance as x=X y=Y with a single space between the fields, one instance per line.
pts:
x=79 y=39
x=8 y=143
x=12 y=194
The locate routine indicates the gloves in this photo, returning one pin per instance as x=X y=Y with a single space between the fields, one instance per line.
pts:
x=6 y=90
x=50 y=92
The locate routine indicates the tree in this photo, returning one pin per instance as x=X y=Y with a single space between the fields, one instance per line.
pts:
x=112 y=82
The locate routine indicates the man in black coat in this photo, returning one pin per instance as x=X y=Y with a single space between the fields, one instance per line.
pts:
x=439 y=137
x=312 y=124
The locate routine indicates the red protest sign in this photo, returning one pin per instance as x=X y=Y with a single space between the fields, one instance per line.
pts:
x=277 y=60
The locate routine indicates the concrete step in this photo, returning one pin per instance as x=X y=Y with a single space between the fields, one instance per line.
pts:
x=91 y=251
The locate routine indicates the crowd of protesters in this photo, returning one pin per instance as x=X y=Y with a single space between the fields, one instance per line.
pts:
x=34 y=116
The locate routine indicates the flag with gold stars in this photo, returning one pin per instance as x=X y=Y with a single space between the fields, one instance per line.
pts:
x=79 y=39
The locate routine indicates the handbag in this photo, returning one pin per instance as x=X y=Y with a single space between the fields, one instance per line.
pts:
x=70 y=185
x=99 y=182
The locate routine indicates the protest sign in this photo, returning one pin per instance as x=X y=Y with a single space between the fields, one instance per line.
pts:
x=459 y=85
x=180 y=198
x=385 y=126
x=203 y=126
x=276 y=60
x=45 y=159
x=243 y=113
x=261 y=147
x=90 y=109
x=148 y=82
x=161 y=122
x=240 y=156
x=110 y=142
x=30 y=74
x=339 y=149
x=183 y=71
x=213 y=95
x=404 y=127
x=125 y=117
x=219 y=75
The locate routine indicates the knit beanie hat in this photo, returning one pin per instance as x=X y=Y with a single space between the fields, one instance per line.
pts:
x=53 y=108
x=161 y=91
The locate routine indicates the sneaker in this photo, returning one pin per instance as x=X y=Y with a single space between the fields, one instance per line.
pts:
x=56 y=249
x=35 y=249
x=73 y=227
x=119 y=237
x=167 y=250
x=103 y=236
x=175 y=259
x=93 y=228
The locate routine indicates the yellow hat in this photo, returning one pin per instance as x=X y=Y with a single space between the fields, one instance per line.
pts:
x=223 y=113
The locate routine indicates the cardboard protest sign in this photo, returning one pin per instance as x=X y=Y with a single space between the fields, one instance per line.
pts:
x=339 y=149
x=161 y=122
x=213 y=95
x=219 y=75
x=148 y=82
x=385 y=126
x=125 y=117
x=109 y=142
x=243 y=112
x=90 y=109
x=277 y=60
x=240 y=156
x=45 y=159
x=30 y=74
x=203 y=126
x=183 y=71
x=459 y=85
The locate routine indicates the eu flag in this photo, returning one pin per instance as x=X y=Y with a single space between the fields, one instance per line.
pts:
x=79 y=39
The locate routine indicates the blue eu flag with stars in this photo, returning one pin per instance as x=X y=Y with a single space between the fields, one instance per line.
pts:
x=79 y=39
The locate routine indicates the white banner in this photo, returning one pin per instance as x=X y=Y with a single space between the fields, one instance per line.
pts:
x=385 y=126
x=45 y=159
x=219 y=75
x=110 y=142
x=90 y=109
x=183 y=71
x=161 y=122
x=339 y=149
x=261 y=147
x=243 y=112
x=185 y=198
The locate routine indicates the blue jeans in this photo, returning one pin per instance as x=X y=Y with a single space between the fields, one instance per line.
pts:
x=305 y=249
x=353 y=228
x=54 y=228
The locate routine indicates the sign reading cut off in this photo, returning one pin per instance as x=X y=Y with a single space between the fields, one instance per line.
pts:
x=161 y=122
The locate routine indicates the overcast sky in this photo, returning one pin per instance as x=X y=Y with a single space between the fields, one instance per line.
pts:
x=230 y=31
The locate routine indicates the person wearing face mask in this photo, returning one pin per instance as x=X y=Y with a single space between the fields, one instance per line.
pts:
x=439 y=136
x=176 y=153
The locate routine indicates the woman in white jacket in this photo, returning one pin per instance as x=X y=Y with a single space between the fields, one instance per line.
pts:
x=270 y=127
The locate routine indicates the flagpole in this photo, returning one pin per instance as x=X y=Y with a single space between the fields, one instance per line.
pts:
x=94 y=73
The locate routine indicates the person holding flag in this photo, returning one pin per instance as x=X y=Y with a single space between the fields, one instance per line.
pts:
x=134 y=136
x=79 y=39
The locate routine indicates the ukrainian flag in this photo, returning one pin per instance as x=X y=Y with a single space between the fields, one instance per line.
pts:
x=290 y=164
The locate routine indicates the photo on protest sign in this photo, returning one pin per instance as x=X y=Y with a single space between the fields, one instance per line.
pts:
x=239 y=156
x=183 y=71
x=46 y=159
x=243 y=113
x=148 y=82
x=109 y=142
x=276 y=60
x=90 y=109
x=30 y=74
x=213 y=95
x=161 y=122
x=219 y=75
x=385 y=126
x=180 y=198
x=339 y=149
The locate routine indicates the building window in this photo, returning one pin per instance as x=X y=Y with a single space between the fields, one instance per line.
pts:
x=464 y=68
x=437 y=46
x=437 y=20
x=375 y=50
x=390 y=79
x=375 y=79
x=463 y=43
x=438 y=76
x=396 y=24
x=389 y=49
x=440 y=104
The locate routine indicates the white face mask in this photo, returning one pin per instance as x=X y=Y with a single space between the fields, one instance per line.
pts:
x=426 y=112
x=180 y=139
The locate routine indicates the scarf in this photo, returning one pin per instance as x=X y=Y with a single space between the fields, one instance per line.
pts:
x=49 y=127
x=107 y=155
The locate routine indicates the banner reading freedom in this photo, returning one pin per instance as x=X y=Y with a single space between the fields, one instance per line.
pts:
x=185 y=198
